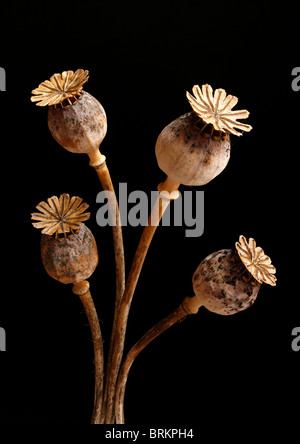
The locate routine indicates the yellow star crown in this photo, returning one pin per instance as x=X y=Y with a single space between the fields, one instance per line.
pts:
x=62 y=89
x=216 y=109
x=60 y=215
x=256 y=262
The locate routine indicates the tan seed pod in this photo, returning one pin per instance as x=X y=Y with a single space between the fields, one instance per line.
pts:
x=70 y=259
x=223 y=285
x=195 y=148
x=188 y=155
x=68 y=248
x=76 y=120
x=79 y=128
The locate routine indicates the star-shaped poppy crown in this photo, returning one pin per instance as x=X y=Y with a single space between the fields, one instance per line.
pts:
x=217 y=109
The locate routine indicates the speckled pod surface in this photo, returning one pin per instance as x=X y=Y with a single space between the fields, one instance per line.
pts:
x=70 y=259
x=223 y=285
x=188 y=157
x=79 y=128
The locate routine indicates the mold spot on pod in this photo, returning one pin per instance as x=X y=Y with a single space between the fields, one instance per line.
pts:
x=70 y=259
x=189 y=156
x=223 y=284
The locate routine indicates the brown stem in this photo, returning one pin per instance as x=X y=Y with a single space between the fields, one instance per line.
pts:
x=99 y=164
x=118 y=344
x=107 y=185
x=82 y=290
x=189 y=306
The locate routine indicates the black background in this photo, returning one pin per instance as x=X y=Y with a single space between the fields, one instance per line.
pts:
x=142 y=58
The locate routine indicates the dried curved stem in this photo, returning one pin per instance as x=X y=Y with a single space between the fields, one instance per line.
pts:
x=107 y=185
x=118 y=344
x=190 y=305
x=178 y=315
x=82 y=290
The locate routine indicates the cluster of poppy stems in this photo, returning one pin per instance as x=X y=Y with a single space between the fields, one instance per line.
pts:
x=191 y=150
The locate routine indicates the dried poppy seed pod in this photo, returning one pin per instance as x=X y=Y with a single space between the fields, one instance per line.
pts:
x=76 y=120
x=228 y=281
x=70 y=259
x=79 y=128
x=195 y=148
x=220 y=286
x=187 y=156
x=71 y=256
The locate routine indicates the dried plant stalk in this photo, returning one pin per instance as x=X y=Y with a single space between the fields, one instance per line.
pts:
x=107 y=185
x=178 y=315
x=82 y=290
x=188 y=306
x=119 y=338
